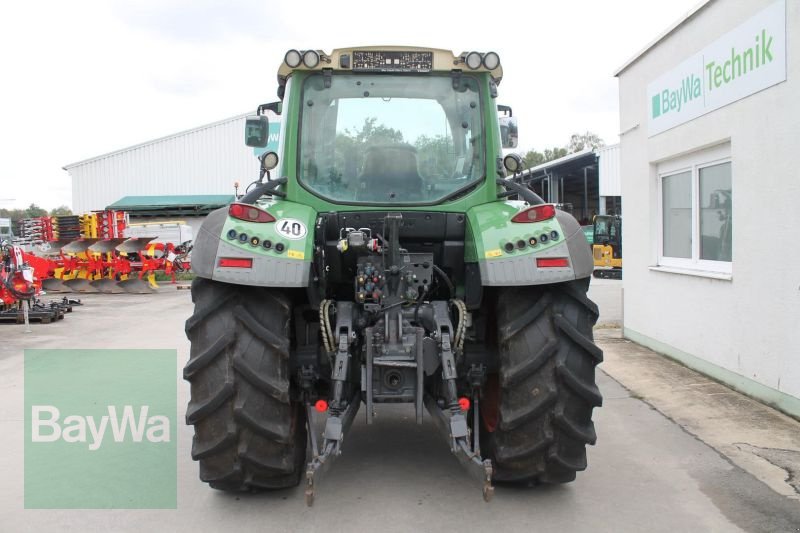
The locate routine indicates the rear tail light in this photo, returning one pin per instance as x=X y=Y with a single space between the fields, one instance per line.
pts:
x=536 y=213
x=552 y=262
x=249 y=213
x=236 y=262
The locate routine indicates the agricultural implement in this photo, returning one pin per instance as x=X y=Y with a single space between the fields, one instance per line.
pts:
x=20 y=289
x=392 y=259
x=90 y=253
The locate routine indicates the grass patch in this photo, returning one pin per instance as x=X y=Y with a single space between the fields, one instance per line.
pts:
x=179 y=276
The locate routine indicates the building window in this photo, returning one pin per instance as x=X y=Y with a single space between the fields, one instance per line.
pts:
x=696 y=211
x=715 y=212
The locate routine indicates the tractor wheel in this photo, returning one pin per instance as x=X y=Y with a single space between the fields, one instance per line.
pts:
x=538 y=411
x=248 y=434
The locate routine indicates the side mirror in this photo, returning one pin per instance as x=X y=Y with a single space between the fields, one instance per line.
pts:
x=275 y=107
x=508 y=132
x=256 y=131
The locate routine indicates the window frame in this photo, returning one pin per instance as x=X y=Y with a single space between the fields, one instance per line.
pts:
x=449 y=197
x=692 y=163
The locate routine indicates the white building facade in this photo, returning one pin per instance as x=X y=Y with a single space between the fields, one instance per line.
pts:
x=207 y=160
x=710 y=120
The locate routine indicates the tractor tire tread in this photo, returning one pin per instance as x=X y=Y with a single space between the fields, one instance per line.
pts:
x=277 y=388
x=248 y=433
x=205 y=357
x=547 y=388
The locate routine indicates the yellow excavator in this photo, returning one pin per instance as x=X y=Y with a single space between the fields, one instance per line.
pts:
x=607 y=246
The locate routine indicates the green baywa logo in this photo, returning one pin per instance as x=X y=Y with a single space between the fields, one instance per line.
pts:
x=674 y=99
x=47 y=426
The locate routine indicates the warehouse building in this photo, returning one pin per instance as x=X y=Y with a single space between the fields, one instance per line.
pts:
x=182 y=176
x=586 y=182
x=710 y=125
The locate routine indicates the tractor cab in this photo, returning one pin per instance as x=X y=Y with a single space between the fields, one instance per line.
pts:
x=389 y=126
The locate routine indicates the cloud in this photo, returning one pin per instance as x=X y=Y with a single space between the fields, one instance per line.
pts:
x=183 y=84
x=197 y=21
x=98 y=76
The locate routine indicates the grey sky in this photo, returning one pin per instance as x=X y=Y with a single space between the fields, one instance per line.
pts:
x=80 y=79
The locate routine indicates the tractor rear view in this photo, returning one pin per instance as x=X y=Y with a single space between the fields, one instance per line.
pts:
x=384 y=257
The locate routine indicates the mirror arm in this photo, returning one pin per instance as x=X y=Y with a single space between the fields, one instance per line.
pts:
x=269 y=187
x=524 y=192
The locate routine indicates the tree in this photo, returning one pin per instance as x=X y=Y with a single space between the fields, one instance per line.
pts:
x=534 y=158
x=351 y=145
x=555 y=153
x=582 y=141
x=370 y=134
x=435 y=155
x=61 y=210
x=34 y=210
x=577 y=142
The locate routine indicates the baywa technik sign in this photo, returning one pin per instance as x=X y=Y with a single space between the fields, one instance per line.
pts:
x=746 y=60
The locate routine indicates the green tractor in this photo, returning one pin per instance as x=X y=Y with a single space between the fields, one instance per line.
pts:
x=387 y=255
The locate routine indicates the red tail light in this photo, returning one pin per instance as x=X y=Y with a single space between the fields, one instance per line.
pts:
x=552 y=262
x=249 y=213
x=537 y=213
x=464 y=403
x=236 y=262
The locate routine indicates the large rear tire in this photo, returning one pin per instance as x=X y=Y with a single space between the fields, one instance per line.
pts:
x=538 y=410
x=248 y=434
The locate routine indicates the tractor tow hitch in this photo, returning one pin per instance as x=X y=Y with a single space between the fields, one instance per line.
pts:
x=454 y=427
x=332 y=437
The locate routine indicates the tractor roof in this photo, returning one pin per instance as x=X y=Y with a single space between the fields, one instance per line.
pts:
x=389 y=59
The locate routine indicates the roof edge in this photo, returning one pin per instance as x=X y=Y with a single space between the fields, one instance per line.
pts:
x=663 y=35
x=561 y=160
x=154 y=141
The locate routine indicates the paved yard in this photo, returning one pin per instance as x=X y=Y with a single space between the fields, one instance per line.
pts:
x=647 y=473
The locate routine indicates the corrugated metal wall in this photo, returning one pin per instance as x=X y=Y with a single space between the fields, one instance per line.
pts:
x=206 y=160
x=610 y=182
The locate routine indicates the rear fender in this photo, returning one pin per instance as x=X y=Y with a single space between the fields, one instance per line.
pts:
x=490 y=235
x=280 y=252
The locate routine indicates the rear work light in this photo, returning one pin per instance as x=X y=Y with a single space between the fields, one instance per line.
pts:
x=249 y=213
x=537 y=213
x=236 y=262
x=552 y=262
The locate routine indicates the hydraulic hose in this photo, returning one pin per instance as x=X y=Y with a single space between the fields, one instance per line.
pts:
x=261 y=190
x=524 y=192
x=446 y=279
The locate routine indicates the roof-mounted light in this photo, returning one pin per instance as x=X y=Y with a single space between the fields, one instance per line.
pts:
x=473 y=60
x=310 y=58
x=293 y=58
x=491 y=60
